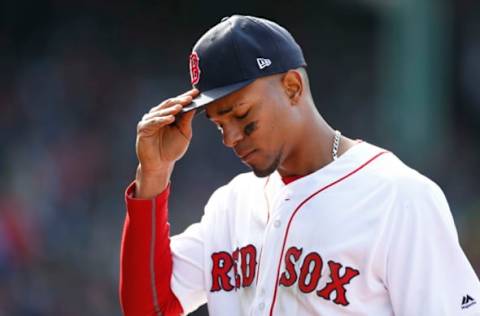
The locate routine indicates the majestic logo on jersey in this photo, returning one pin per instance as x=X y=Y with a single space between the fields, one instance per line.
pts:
x=306 y=275
x=310 y=272
x=468 y=301
x=224 y=262
x=194 y=68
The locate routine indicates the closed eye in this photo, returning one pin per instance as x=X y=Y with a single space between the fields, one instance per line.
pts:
x=242 y=116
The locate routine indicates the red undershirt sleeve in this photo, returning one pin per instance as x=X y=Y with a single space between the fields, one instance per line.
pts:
x=146 y=258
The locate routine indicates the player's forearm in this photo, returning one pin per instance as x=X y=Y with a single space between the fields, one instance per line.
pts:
x=151 y=183
x=146 y=259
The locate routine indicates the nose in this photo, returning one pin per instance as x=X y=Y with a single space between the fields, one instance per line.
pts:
x=231 y=135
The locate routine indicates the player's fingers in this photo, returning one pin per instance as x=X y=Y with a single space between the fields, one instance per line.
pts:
x=173 y=109
x=184 y=124
x=193 y=93
x=152 y=125
x=184 y=100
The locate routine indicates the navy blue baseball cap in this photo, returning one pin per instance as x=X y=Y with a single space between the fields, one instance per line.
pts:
x=235 y=52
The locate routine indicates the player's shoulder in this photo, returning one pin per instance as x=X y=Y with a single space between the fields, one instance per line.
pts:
x=411 y=195
x=404 y=179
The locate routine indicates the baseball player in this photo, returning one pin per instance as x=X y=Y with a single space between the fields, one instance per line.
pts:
x=323 y=225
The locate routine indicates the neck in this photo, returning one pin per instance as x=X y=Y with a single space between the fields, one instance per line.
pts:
x=312 y=149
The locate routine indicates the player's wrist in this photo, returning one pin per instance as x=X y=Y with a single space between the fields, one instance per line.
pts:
x=151 y=182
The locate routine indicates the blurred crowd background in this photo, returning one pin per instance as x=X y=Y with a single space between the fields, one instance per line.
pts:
x=76 y=76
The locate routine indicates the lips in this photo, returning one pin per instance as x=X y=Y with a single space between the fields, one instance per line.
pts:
x=245 y=155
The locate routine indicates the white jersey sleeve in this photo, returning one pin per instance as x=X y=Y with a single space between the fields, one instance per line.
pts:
x=427 y=271
x=189 y=259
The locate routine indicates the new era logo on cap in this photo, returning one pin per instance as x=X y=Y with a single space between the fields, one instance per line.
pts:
x=263 y=62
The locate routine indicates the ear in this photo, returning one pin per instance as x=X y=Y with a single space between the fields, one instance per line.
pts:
x=293 y=85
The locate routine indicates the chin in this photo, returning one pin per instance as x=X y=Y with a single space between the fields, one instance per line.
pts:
x=264 y=172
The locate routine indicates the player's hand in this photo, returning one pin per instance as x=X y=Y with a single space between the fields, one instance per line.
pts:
x=162 y=137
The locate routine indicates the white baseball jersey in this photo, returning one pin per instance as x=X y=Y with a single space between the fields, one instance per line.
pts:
x=364 y=235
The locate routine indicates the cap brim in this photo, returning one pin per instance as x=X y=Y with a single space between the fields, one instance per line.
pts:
x=209 y=96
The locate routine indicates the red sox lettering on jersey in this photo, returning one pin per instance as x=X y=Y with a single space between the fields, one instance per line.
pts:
x=306 y=278
x=223 y=263
x=310 y=273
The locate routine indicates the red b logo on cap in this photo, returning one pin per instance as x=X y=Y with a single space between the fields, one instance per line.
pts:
x=194 y=68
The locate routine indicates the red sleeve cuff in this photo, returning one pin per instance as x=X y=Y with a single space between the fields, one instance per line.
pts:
x=143 y=205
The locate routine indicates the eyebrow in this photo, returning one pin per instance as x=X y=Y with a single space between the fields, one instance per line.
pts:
x=225 y=110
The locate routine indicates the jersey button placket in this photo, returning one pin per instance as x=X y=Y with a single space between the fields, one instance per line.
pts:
x=274 y=237
x=261 y=306
x=277 y=223
x=262 y=292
